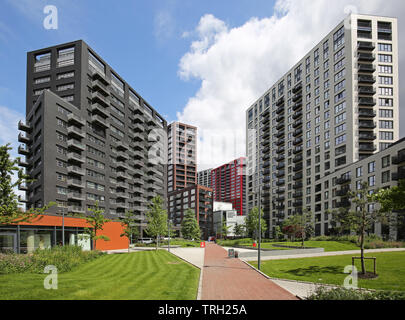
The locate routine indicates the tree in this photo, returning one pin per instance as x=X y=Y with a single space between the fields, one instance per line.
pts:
x=157 y=219
x=392 y=200
x=361 y=218
x=10 y=213
x=252 y=223
x=299 y=226
x=129 y=227
x=239 y=230
x=277 y=232
x=225 y=230
x=189 y=226
x=96 y=220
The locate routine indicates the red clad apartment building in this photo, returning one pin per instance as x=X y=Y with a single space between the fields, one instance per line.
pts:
x=229 y=184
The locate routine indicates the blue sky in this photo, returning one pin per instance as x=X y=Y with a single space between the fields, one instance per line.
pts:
x=142 y=40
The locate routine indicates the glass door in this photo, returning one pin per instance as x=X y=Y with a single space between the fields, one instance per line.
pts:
x=8 y=242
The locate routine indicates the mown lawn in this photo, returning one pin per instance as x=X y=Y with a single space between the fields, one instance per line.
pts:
x=327 y=245
x=329 y=270
x=151 y=275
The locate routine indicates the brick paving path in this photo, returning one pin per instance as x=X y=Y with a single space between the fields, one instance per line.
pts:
x=231 y=279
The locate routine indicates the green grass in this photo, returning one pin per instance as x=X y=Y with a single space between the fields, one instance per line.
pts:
x=152 y=275
x=327 y=245
x=173 y=242
x=329 y=270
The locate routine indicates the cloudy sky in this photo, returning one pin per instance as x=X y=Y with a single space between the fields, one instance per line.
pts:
x=201 y=62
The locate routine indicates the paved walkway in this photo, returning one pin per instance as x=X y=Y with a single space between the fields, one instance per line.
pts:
x=231 y=279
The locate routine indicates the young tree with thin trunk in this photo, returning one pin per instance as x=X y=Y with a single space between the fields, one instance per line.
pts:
x=10 y=213
x=252 y=223
x=96 y=220
x=189 y=226
x=361 y=218
x=129 y=227
x=157 y=219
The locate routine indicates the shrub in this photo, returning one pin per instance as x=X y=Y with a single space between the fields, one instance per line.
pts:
x=321 y=293
x=63 y=258
x=378 y=244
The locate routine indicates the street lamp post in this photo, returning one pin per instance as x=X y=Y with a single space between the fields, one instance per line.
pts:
x=63 y=226
x=169 y=222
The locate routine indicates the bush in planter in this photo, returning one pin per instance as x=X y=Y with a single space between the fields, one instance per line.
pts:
x=321 y=293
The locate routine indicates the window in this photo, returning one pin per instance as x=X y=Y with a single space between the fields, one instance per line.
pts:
x=359 y=172
x=385 y=58
x=42 y=62
x=386 y=113
x=385 y=176
x=340 y=129
x=371 y=181
x=65 y=75
x=66 y=57
x=64 y=87
x=385 y=162
x=341 y=139
x=386 y=102
x=385 y=69
x=386 y=124
x=42 y=80
x=386 y=91
x=339 y=38
x=371 y=167
x=340 y=107
x=385 y=80
x=386 y=135
x=385 y=47
x=340 y=118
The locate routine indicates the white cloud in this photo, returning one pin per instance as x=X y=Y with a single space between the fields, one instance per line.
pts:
x=164 y=24
x=237 y=65
x=9 y=133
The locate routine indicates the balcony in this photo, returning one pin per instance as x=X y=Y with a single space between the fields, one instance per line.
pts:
x=73 y=156
x=24 y=138
x=298 y=167
x=77 y=183
x=22 y=187
x=99 y=85
x=24 y=150
x=280 y=102
x=76 y=132
x=280 y=126
x=24 y=126
x=398 y=159
x=266 y=157
x=367 y=113
x=20 y=199
x=76 y=209
x=366 y=46
x=122 y=195
x=280 y=174
x=343 y=204
x=98 y=97
x=280 y=182
x=138 y=128
x=298 y=194
x=298 y=176
x=297 y=115
x=367 y=147
x=298 y=159
x=343 y=180
x=100 y=121
x=280 y=118
x=280 y=150
x=364 y=79
x=367 y=125
x=97 y=108
x=298 y=150
x=367 y=90
x=297 y=204
x=280 y=166
x=280 y=134
x=366 y=57
x=297 y=97
x=367 y=136
x=368 y=102
x=76 y=170
x=297 y=106
x=297 y=124
x=123 y=175
x=280 y=110
x=297 y=186
x=297 y=88
x=123 y=185
x=72 y=118
x=75 y=196
x=297 y=141
x=280 y=158
x=76 y=144
x=343 y=191
x=23 y=163
x=399 y=175
x=297 y=132
x=368 y=68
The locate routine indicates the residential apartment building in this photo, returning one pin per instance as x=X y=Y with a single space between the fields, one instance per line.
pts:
x=197 y=198
x=381 y=170
x=89 y=136
x=182 y=156
x=229 y=184
x=204 y=178
x=338 y=105
x=225 y=215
